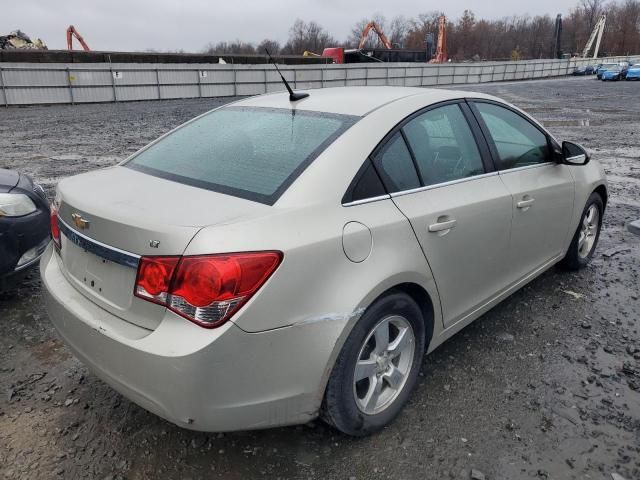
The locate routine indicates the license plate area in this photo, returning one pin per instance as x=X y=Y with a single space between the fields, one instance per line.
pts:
x=100 y=278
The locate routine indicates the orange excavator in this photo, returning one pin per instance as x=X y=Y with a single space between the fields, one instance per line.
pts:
x=72 y=32
x=441 y=47
x=386 y=54
x=376 y=28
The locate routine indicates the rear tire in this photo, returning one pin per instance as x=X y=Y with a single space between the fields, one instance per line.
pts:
x=585 y=239
x=388 y=367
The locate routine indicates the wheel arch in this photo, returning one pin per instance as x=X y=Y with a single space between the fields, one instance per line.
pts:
x=429 y=306
x=419 y=293
x=604 y=194
x=423 y=299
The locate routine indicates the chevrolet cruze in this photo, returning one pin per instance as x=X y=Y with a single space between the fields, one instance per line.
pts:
x=275 y=260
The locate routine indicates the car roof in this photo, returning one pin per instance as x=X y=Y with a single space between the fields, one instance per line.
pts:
x=357 y=101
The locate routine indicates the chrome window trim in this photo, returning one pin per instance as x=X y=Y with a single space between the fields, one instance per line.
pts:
x=100 y=249
x=443 y=184
x=526 y=167
x=367 y=200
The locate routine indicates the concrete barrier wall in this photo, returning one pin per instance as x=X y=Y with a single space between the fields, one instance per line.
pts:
x=31 y=83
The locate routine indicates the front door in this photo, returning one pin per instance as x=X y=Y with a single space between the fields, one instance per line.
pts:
x=542 y=190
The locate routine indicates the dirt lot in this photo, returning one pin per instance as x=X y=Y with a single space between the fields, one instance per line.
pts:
x=546 y=385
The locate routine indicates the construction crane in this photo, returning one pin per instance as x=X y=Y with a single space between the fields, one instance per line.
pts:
x=598 y=30
x=72 y=32
x=557 y=45
x=376 y=28
x=441 y=48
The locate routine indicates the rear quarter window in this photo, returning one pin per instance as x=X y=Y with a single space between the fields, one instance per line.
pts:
x=253 y=153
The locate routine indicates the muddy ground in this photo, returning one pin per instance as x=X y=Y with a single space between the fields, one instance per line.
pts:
x=546 y=385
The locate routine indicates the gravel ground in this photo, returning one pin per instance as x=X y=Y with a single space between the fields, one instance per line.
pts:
x=546 y=385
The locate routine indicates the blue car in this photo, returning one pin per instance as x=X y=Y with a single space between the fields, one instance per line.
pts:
x=602 y=68
x=633 y=73
x=614 y=73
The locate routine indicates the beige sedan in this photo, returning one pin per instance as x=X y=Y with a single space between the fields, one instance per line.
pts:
x=272 y=260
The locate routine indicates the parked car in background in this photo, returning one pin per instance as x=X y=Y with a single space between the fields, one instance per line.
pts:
x=602 y=68
x=278 y=259
x=24 y=226
x=633 y=73
x=614 y=73
x=585 y=70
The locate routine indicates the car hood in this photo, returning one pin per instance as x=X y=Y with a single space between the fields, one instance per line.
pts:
x=8 y=179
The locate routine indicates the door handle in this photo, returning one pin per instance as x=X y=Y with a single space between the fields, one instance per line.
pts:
x=525 y=202
x=443 y=225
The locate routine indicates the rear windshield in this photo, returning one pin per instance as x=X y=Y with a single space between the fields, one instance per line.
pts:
x=248 y=152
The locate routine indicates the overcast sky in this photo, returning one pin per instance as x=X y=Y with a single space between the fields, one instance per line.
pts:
x=126 y=25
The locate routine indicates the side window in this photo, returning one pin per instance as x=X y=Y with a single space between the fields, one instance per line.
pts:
x=517 y=141
x=395 y=166
x=443 y=145
x=365 y=185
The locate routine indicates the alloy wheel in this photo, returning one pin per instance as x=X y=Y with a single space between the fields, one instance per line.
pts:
x=384 y=363
x=588 y=231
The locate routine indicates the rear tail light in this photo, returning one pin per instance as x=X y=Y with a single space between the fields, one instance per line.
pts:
x=55 y=228
x=207 y=289
x=154 y=276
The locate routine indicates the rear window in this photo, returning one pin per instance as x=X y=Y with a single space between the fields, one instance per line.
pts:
x=249 y=152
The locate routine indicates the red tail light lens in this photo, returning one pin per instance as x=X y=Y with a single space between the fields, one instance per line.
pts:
x=55 y=228
x=207 y=289
x=154 y=276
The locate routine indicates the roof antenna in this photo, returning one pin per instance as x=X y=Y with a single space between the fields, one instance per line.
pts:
x=293 y=96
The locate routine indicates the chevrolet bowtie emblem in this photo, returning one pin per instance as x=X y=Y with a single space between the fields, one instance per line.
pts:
x=80 y=222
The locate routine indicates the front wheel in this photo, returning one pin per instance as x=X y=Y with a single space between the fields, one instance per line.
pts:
x=586 y=237
x=377 y=368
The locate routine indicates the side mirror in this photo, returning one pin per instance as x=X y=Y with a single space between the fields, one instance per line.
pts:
x=574 y=154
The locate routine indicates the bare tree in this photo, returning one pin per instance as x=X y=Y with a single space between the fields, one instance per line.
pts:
x=464 y=38
x=398 y=30
x=419 y=27
x=272 y=45
x=592 y=10
x=307 y=37
x=235 y=47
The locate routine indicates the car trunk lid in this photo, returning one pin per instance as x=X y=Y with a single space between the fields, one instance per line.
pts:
x=112 y=217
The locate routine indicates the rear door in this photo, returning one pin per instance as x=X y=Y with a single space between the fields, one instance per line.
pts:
x=440 y=179
x=542 y=189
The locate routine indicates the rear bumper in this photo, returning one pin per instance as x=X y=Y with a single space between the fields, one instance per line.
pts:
x=210 y=380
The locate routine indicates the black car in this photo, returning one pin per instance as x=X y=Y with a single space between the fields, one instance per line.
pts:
x=24 y=226
x=585 y=70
